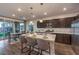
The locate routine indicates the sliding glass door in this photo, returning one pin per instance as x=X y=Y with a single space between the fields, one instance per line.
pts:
x=6 y=27
x=1 y=30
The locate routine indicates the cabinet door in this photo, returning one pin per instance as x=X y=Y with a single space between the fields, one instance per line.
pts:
x=66 y=22
x=59 y=38
x=41 y=25
x=63 y=38
x=62 y=23
x=67 y=39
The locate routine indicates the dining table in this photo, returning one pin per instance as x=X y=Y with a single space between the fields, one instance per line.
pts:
x=43 y=36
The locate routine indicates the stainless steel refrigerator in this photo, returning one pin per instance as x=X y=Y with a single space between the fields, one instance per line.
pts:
x=75 y=36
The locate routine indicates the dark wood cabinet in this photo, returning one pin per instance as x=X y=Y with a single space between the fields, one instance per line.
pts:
x=66 y=22
x=41 y=25
x=62 y=23
x=56 y=23
x=63 y=38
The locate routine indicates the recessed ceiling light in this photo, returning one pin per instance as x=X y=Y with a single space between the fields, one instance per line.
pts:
x=31 y=7
x=19 y=9
x=41 y=21
x=64 y=9
x=45 y=13
x=13 y=15
x=31 y=22
x=41 y=3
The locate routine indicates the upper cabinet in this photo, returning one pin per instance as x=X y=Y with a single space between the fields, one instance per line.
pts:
x=56 y=23
x=41 y=24
x=48 y=23
x=66 y=22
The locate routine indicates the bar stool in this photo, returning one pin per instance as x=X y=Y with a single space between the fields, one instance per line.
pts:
x=23 y=43
x=31 y=43
x=43 y=45
x=13 y=36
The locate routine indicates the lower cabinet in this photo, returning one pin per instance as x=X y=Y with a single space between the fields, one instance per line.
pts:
x=63 y=38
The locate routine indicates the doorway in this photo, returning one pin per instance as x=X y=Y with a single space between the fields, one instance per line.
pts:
x=31 y=28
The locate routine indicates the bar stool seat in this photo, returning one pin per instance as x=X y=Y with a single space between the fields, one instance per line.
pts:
x=43 y=46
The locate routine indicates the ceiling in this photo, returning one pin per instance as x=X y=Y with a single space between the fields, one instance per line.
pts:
x=36 y=9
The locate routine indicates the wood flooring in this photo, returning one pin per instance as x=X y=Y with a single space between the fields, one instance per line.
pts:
x=14 y=48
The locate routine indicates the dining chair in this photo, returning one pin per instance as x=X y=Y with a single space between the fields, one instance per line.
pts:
x=43 y=45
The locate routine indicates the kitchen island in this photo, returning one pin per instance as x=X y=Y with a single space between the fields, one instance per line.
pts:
x=50 y=38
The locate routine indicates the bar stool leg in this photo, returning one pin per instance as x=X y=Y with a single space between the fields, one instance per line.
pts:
x=21 y=48
x=41 y=52
x=30 y=50
x=49 y=49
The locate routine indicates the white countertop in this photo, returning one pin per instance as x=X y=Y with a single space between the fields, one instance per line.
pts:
x=60 y=32
x=64 y=33
x=49 y=37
